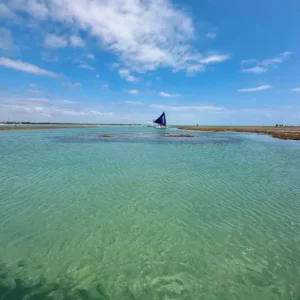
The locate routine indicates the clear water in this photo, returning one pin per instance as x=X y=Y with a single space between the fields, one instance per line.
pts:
x=140 y=216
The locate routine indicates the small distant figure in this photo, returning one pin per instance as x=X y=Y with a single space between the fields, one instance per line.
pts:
x=197 y=125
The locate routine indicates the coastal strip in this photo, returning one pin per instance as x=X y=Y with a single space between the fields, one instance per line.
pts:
x=280 y=132
x=37 y=127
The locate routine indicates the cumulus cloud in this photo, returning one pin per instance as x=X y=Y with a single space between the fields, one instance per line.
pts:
x=25 y=67
x=76 y=41
x=124 y=73
x=256 y=89
x=7 y=44
x=55 y=41
x=145 y=35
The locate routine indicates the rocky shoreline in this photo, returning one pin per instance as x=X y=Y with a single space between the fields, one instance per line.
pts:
x=179 y=135
x=283 y=133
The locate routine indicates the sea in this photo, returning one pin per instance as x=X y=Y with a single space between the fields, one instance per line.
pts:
x=137 y=215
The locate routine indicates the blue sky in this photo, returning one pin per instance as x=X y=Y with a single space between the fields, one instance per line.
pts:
x=210 y=62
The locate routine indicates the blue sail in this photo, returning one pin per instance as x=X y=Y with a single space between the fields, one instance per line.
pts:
x=161 y=120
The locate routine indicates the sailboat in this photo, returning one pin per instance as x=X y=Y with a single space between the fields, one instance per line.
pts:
x=160 y=122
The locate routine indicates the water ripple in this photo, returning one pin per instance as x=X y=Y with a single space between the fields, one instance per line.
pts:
x=141 y=216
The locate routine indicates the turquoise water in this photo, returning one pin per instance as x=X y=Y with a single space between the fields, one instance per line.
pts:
x=141 y=216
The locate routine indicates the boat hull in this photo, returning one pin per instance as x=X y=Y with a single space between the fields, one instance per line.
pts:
x=156 y=126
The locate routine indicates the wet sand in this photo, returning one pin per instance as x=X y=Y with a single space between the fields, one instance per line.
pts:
x=284 y=133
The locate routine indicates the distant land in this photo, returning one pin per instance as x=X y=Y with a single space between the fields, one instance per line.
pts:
x=277 y=131
x=47 y=126
x=56 y=123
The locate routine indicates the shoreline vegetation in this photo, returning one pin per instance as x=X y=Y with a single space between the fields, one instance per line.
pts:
x=279 y=132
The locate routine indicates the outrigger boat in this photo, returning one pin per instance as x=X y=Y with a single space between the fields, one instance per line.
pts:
x=160 y=122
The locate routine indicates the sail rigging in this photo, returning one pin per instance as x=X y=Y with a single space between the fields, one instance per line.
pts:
x=161 y=120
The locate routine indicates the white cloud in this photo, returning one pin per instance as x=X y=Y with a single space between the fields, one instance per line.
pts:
x=295 y=89
x=249 y=61
x=6 y=12
x=211 y=35
x=164 y=94
x=36 y=109
x=277 y=59
x=115 y=65
x=105 y=86
x=188 y=107
x=49 y=57
x=72 y=84
x=261 y=66
x=25 y=67
x=85 y=66
x=256 y=89
x=34 y=89
x=255 y=70
x=55 y=41
x=134 y=102
x=90 y=56
x=214 y=59
x=194 y=69
x=33 y=7
x=86 y=113
x=34 y=101
x=76 y=41
x=133 y=92
x=7 y=44
x=124 y=73
x=145 y=35
x=62 y=110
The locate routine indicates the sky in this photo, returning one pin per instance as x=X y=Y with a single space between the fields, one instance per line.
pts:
x=206 y=62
